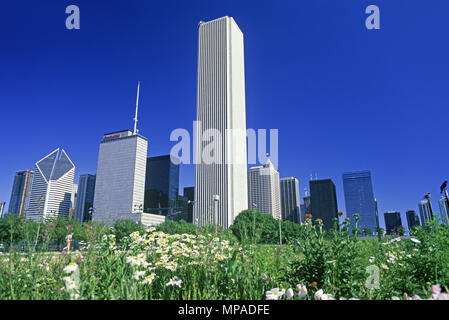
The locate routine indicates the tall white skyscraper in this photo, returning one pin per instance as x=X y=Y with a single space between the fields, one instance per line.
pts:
x=120 y=181
x=424 y=211
x=2 y=207
x=290 y=206
x=264 y=190
x=444 y=209
x=51 y=188
x=220 y=108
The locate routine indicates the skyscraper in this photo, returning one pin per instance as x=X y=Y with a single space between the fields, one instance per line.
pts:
x=290 y=199
x=161 y=184
x=444 y=209
x=2 y=207
x=412 y=219
x=120 y=180
x=307 y=205
x=189 y=194
x=264 y=190
x=85 y=198
x=21 y=190
x=324 y=202
x=424 y=211
x=221 y=123
x=392 y=222
x=359 y=198
x=52 y=185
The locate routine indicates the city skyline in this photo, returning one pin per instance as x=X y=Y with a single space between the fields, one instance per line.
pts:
x=399 y=183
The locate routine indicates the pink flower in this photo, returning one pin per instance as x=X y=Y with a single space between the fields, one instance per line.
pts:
x=443 y=296
x=436 y=291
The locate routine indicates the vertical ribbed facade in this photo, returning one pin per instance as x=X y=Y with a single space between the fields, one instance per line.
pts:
x=220 y=107
x=264 y=190
x=2 y=207
x=444 y=209
x=424 y=211
x=52 y=187
x=290 y=199
x=120 y=180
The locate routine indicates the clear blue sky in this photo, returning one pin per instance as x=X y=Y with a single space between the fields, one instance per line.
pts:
x=343 y=98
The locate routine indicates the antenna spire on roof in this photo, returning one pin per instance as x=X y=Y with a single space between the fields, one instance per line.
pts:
x=137 y=107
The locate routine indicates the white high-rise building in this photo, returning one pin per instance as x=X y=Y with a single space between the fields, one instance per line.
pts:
x=220 y=108
x=425 y=212
x=264 y=190
x=120 y=180
x=51 y=188
x=444 y=208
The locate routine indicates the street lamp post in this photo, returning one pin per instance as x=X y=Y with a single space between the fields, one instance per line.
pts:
x=444 y=189
x=280 y=230
x=427 y=196
x=216 y=199
x=379 y=236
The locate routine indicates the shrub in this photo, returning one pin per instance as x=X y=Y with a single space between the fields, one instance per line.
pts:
x=254 y=227
x=175 y=227
x=124 y=227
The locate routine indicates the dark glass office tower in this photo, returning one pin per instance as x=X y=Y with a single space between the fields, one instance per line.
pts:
x=161 y=184
x=392 y=222
x=21 y=190
x=324 y=202
x=359 y=198
x=189 y=194
x=412 y=219
x=85 y=198
x=290 y=199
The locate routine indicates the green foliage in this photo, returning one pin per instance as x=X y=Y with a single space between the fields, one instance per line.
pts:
x=329 y=260
x=175 y=227
x=181 y=227
x=124 y=227
x=253 y=227
x=335 y=260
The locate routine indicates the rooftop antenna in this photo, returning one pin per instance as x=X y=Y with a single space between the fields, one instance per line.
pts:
x=316 y=176
x=311 y=177
x=137 y=107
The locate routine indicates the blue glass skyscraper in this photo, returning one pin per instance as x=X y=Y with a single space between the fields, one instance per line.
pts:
x=359 y=198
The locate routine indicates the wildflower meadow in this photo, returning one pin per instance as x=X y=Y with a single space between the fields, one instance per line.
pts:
x=180 y=261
